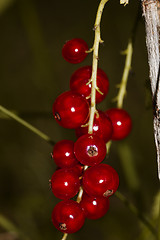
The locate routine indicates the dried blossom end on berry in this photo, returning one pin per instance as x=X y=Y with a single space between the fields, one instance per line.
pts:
x=108 y=193
x=63 y=226
x=92 y=151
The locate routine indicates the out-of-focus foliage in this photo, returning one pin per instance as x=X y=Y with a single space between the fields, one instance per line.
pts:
x=4 y=5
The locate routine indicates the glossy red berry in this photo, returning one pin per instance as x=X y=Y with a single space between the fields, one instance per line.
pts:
x=74 y=51
x=94 y=208
x=80 y=78
x=78 y=169
x=121 y=122
x=102 y=127
x=63 y=154
x=100 y=181
x=90 y=149
x=68 y=216
x=70 y=110
x=65 y=183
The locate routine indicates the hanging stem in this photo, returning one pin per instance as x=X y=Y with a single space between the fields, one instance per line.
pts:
x=7 y=225
x=27 y=125
x=93 y=80
x=10 y=227
x=97 y=41
x=64 y=236
x=125 y=2
x=135 y=211
x=123 y=84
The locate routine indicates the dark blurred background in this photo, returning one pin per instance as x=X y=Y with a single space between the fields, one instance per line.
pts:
x=32 y=74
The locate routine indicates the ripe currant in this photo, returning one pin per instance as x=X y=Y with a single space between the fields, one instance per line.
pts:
x=70 y=110
x=74 y=51
x=79 y=82
x=63 y=154
x=68 y=216
x=94 y=208
x=102 y=127
x=100 y=181
x=121 y=122
x=65 y=183
x=78 y=169
x=90 y=149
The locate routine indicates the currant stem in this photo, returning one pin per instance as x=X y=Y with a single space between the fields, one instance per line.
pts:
x=134 y=210
x=125 y=2
x=10 y=227
x=26 y=124
x=80 y=195
x=127 y=68
x=97 y=41
x=64 y=236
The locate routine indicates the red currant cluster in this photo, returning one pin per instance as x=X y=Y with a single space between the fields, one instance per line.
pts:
x=71 y=110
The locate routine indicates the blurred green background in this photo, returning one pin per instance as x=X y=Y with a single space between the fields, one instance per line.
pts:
x=32 y=74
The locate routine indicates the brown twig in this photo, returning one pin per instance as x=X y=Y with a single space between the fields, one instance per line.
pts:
x=150 y=13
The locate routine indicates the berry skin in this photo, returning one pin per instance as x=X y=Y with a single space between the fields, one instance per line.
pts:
x=70 y=110
x=94 y=208
x=67 y=216
x=102 y=127
x=65 y=183
x=100 y=181
x=78 y=169
x=121 y=122
x=63 y=154
x=74 y=51
x=90 y=149
x=81 y=77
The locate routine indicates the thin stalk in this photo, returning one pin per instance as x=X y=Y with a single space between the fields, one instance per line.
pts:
x=26 y=124
x=127 y=68
x=97 y=41
x=80 y=195
x=135 y=211
x=125 y=2
x=7 y=225
x=10 y=227
x=64 y=236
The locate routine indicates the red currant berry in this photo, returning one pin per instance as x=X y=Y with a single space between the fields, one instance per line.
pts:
x=65 y=183
x=78 y=169
x=121 y=122
x=80 y=78
x=70 y=110
x=102 y=127
x=63 y=154
x=68 y=216
x=94 y=208
x=100 y=181
x=74 y=51
x=90 y=149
